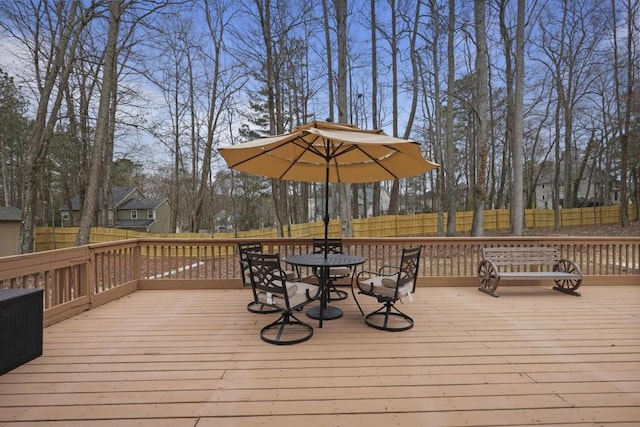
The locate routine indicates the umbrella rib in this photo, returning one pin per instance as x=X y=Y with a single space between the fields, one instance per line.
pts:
x=376 y=161
x=261 y=153
x=306 y=147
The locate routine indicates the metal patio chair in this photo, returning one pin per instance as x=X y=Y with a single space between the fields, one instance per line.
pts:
x=389 y=285
x=273 y=290
x=256 y=247
x=334 y=246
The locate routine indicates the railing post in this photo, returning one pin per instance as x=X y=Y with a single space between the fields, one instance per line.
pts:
x=88 y=274
x=136 y=262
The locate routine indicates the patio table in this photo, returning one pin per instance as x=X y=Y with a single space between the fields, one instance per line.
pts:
x=323 y=262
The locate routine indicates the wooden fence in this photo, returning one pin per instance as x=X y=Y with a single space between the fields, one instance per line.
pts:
x=80 y=278
x=48 y=238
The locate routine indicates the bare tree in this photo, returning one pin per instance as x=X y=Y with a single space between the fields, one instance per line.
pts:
x=624 y=102
x=435 y=124
x=374 y=99
x=450 y=193
x=344 y=190
x=477 y=228
x=329 y=54
x=13 y=130
x=278 y=188
x=517 y=156
x=50 y=36
x=109 y=85
x=221 y=89
x=177 y=85
x=392 y=38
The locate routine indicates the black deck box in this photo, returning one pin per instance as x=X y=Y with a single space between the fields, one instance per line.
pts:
x=20 y=327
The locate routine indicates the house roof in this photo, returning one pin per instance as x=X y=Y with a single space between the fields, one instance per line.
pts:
x=142 y=203
x=134 y=223
x=118 y=194
x=10 y=214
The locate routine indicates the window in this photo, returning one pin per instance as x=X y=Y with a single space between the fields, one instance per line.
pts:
x=151 y=214
x=134 y=214
x=65 y=216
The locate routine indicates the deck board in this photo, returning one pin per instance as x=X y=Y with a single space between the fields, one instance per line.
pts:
x=187 y=358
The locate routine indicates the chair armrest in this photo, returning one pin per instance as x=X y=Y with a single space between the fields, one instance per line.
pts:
x=395 y=269
x=368 y=273
x=318 y=292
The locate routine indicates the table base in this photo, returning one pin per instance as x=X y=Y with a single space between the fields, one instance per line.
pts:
x=329 y=313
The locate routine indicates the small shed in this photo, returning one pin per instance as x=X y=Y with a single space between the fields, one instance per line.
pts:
x=10 y=231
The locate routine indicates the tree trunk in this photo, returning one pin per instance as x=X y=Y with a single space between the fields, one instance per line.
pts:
x=108 y=153
x=375 y=203
x=116 y=8
x=327 y=40
x=624 y=149
x=438 y=150
x=344 y=190
x=450 y=190
x=477 y=228
x=517 y=201
x=40 y=138
x=394 y=196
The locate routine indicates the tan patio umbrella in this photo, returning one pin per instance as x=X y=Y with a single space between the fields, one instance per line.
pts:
x=329 y=152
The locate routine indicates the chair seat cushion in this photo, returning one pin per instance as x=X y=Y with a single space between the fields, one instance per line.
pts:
x=296 y=291
x=391 y=281
x=381 y=285
x=339 y=271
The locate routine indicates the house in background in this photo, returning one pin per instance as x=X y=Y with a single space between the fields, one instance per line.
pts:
x=592 y=190
x=129 y=209
x=10 y=231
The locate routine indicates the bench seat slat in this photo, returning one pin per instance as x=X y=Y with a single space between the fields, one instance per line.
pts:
x=541 y=275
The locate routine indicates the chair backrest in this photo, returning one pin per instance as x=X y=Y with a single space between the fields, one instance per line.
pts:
x=409 y=266
x=245 y=248
x=266 y=275
x=334 y=246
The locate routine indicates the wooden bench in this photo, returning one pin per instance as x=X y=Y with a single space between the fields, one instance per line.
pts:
x=527 y=263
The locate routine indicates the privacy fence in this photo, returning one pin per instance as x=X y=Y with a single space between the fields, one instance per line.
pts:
x=417 y=225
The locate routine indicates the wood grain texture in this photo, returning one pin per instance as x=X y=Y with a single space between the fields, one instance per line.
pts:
x=194 y=357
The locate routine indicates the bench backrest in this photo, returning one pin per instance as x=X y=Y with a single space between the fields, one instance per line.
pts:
x=515 y=256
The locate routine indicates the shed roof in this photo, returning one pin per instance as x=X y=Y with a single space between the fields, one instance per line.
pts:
x=10 y=214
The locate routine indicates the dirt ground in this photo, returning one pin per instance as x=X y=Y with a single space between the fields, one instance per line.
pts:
x=608 y=230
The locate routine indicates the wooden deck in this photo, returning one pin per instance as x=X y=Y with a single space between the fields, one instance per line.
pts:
x=194 y=358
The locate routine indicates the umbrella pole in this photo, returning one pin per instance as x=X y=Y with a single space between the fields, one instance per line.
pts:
x=326 y=212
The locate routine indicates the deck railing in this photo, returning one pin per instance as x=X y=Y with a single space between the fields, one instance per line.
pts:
x=77 y=279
